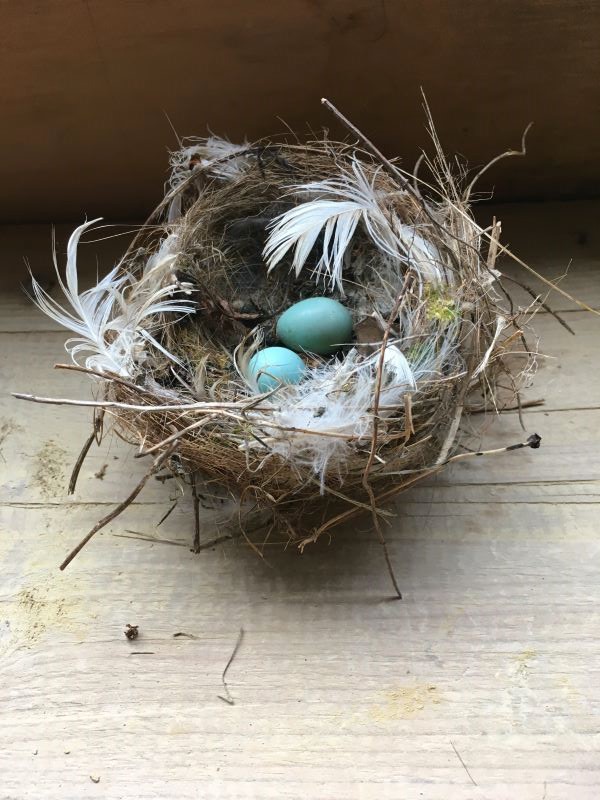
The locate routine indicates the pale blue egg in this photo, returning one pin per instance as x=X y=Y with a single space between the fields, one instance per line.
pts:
x=317 y=325
x=276 y=365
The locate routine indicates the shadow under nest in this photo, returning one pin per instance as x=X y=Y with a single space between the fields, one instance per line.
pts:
x=244 y=233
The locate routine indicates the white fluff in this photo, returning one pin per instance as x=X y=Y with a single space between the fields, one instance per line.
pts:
x=336 y=402
x=209 y=152
x=113 y=321
x=339 y=205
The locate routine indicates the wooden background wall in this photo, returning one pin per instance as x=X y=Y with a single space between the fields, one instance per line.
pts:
x=84 y=84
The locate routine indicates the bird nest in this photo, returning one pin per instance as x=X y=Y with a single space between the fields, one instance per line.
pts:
x=243 y=234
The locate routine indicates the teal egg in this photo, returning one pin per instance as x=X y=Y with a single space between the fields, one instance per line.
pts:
x=275 y=365
x=317 y=325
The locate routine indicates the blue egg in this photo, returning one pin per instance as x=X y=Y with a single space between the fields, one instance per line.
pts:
x=276 y=365
x=317 y=325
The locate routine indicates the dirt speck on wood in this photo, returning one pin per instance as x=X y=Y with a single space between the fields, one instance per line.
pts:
x=49 y=475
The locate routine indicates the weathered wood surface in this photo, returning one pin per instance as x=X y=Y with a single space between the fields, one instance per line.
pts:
x=339 y=692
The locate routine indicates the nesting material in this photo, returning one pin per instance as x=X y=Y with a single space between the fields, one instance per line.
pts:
x=171 y=335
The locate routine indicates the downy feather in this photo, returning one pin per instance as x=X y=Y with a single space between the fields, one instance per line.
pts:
x=114 y=320
x=336 y=402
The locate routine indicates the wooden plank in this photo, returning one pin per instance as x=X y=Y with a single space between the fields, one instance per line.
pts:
x=484 y=674
x=337 y=692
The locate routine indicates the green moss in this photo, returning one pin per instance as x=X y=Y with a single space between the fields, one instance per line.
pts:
x=439 y=306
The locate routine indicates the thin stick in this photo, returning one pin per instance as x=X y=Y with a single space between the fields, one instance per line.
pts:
x=79 y=463
x=409 y=427
x=526 y=404
x=159 y=461
x=136 y=535
x=506 y=154
x=367 y=142
x=463 y=763
x=93 y=437
x=536 y=296
x=228 y=698
x=64 y=401
x=167 y=514
x=108 y=376
x=196 y=499
x=365 y=478
x=533 y=441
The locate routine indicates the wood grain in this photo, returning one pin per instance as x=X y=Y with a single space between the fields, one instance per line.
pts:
x=84 y=129
x=340 y=693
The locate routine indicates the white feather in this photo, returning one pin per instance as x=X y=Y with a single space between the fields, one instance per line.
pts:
x=113 y=320
x=300 y=227
x=340 y=204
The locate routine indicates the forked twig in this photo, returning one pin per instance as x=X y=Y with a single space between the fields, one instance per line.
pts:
x=158 y=462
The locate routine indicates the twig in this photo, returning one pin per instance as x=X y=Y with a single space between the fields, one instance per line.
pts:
x=534 y=441
x=167 y=514
x=367 y=142
x=93 y=437
x=365 y=478
x=65 y=401
x=79 y=463
x=158 y=462
x=145 y=538
x=524 y=404
x=226 y=537
x=228 y=698
x=196 y=499
x=545 y=306
x=463 y=763
x=184 y=635
x=506 y=154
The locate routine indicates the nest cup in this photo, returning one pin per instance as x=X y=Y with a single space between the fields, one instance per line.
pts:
x=243 y=234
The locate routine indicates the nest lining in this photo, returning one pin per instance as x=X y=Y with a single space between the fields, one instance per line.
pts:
x=245 y=232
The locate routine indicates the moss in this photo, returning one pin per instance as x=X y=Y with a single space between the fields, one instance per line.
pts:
x=439 y=305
